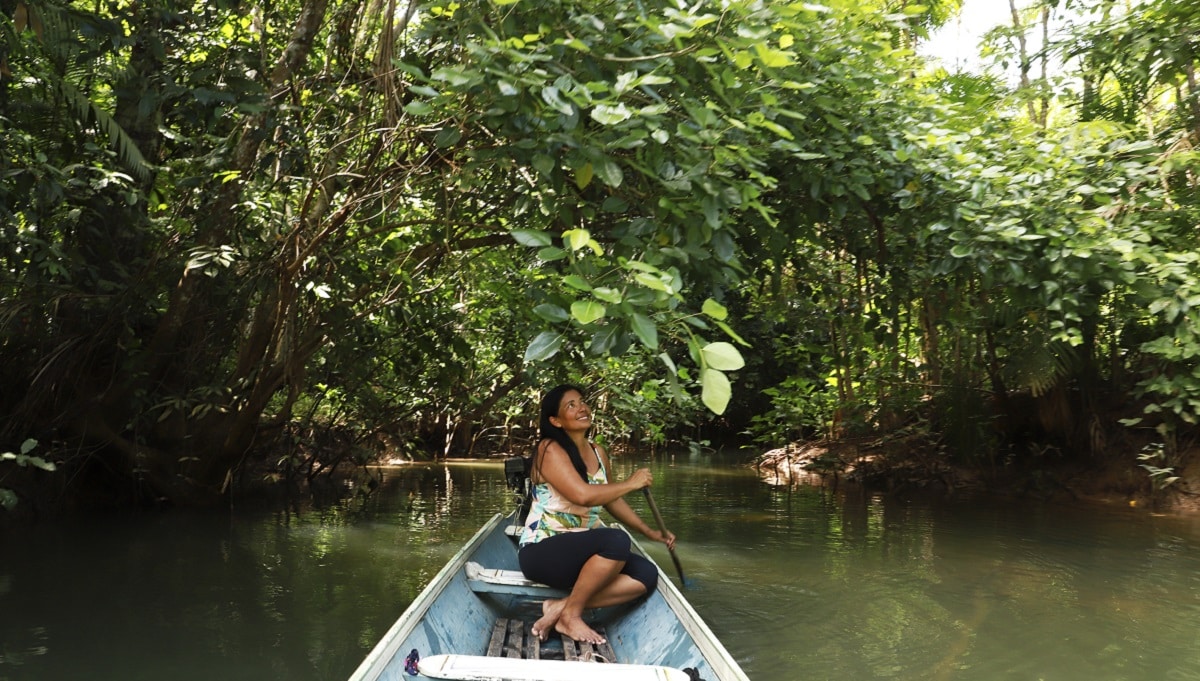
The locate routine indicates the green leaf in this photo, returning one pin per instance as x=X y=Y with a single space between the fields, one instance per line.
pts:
x=715 y=390
x=576 y=239
x=607 y=294
x=714 y=309
x=531 y=237
x=28 y=445
x=8 y=499
x=577 y=282
x=587 y=311
x=543 y=347
x=543 y=164
x=551 y=313
x=732 y=334
x=605 y=339
x=610 y=115
x=646 y=330
x=652 y=282
x=583 y=176
x=552 y=253
x=639 y=266
x=37 y=462
x=614 y=204
x=456 y=77
x=418 y=108
x=772 y=58
x=551 y=96
x=610 y=173
x=448 y=137
x=722 y=356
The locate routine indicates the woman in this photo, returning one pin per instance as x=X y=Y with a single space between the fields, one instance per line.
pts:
x=563 y=542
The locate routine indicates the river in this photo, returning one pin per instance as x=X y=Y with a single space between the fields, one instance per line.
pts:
x=798 y=582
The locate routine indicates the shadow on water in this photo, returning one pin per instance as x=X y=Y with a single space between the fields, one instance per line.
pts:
x=799 y=583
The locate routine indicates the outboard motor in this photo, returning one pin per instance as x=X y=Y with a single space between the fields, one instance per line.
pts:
x=516 y=474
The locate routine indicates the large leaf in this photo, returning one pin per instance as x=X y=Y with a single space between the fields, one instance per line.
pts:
x=608 y=295
x=646 y=330
x=652 y=282
x=531 y=237
x=583 y=176
x=605 y=339
x=544 y=346
x=722 y=356
x=587 y=311
x=610 y=173
x=610 y=115
x=715 y=310
x=715 y=390
x=551 y=313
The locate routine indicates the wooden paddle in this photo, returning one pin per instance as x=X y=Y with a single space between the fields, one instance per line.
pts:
x=662 y=526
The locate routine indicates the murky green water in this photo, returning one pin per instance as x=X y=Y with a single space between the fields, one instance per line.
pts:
x=799 y=584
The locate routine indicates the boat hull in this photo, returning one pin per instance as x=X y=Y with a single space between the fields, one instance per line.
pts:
x=452 y=616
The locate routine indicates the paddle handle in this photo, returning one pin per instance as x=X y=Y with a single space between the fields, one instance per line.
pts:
x=662 y=526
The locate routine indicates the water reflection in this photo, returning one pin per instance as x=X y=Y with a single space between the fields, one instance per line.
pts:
x=797 y=581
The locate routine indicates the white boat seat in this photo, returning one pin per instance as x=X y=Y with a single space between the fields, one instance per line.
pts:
x=481 y=668
x=492 y=580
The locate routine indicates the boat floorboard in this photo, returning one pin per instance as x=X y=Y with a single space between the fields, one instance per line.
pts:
x=514 y=638
x=587 y=652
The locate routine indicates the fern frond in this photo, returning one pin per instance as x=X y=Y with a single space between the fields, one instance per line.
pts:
x=120 y=140
x=1041 y=367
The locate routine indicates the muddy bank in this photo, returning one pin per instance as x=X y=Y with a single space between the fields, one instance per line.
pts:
x=913 y=465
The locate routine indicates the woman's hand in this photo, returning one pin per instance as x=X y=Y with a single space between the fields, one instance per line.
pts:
x=642 y=477
x=668 y=538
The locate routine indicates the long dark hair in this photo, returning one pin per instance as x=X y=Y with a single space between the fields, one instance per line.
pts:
x=548 y=431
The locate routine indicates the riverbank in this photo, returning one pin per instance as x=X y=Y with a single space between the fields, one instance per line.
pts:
x=912 y=464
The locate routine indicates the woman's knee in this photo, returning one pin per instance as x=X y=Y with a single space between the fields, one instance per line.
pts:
x=643 y=571
x=613 y=544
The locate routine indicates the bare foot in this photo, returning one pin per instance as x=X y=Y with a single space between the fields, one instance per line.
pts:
x=574 y=627
x=551 y=610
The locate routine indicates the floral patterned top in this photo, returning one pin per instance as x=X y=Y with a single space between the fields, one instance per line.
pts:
x=551 y=513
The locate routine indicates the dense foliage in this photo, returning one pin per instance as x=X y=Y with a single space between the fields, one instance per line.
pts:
x=241 y=237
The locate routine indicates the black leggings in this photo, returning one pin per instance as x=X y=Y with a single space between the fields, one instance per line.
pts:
x=556 y=561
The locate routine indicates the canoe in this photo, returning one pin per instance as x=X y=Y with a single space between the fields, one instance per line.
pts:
x=472 y=622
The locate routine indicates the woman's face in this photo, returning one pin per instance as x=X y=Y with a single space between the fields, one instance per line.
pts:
x=573 y=413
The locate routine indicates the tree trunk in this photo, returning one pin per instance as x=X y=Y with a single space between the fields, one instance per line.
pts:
x=1023 y=55
x=220 y=439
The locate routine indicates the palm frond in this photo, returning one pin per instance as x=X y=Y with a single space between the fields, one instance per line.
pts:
x=59 y=30
x=1042 y=366
x=127 y=149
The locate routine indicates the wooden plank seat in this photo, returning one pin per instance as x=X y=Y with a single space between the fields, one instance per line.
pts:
x=490 y=580
x=479 y=667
